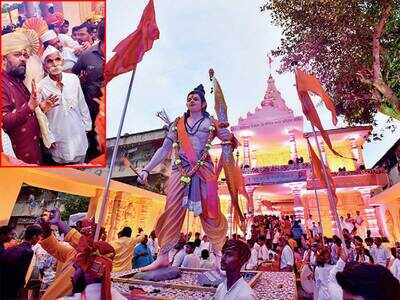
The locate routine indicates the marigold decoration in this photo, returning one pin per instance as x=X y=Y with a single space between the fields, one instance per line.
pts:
x=187 y=175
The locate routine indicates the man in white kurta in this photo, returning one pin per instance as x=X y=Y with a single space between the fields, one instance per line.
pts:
x=70 y=120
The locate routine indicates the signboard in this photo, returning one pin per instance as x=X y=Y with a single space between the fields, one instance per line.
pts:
x=276 y=177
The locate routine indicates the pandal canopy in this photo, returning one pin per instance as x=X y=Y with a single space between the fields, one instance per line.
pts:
x=127 y=205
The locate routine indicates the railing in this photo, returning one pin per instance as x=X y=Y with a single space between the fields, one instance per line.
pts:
x=359 y=172
x=279 y=168
x=342 y=179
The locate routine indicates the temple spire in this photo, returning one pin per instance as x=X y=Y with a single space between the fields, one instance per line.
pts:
x=270 y=60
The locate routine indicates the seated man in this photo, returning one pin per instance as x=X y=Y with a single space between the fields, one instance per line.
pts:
x=191 y=260
x=287 y=256
x=124 y=246
x=235 y=254
x=70 y=120
x=206 y=262
x=142 y=255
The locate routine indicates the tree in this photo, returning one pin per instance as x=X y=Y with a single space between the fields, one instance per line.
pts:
x=73 y=204
x=350 y=45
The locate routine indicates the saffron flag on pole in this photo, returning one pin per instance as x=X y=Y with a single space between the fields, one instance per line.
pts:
x=309 y=110
x=306 y=82
x=130 y=51
x=317 y=167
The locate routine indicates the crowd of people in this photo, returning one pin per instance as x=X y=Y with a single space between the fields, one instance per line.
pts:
x=324 y=265
x=53 y=256
x=52 y=90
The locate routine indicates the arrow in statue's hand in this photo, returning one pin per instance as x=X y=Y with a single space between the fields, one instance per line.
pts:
x=128 y=164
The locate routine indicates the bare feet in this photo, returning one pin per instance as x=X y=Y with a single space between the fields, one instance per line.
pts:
x=162 y=261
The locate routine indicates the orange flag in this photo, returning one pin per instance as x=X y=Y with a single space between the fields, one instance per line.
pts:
x=310 y=112
x=306 y=82
x=130 y=51
x=318 y=171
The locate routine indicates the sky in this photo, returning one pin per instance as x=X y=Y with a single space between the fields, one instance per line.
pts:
x=234 y=39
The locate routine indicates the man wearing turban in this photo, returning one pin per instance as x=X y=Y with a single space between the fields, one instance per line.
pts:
x=18 y=104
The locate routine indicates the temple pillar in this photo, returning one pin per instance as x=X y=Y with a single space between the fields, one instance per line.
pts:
x=94 y=202
x=293 y=146
x=257 y=206
x=323 y=152
x=382 y=230
x=370 y=212
x=246 y=151
x=297 y=205
x=250 y=201
x=356 y=153
x=115 y=216
x=254 y=158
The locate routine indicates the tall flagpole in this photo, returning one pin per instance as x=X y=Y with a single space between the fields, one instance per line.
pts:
x=316 y=197
x=187 y=222
x=328 y=187
x=113 y=160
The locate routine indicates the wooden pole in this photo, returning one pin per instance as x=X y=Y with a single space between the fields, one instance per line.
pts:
x=317 y=199
x=332 y=204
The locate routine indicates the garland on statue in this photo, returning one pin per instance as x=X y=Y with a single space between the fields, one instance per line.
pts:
x=182 y=139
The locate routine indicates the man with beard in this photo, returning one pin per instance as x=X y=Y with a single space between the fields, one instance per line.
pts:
x=69 y=121
x=18 y=104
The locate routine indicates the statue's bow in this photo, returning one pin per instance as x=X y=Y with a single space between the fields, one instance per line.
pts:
x=233 y=174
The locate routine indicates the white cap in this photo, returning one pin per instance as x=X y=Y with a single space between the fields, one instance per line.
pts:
x=49 y=50
x=73 y=219
x=48 y=35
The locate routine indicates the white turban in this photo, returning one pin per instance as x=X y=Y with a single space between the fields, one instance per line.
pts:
x=49 y=50
x=48 y=35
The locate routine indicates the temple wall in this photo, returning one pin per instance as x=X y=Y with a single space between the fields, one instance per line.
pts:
x=124 y=210
x=335 y=162
x=391 y=213
x=347 y=203
x=389 y=207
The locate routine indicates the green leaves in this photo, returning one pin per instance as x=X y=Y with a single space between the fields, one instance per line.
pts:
x=73 y=204
x=333 y=39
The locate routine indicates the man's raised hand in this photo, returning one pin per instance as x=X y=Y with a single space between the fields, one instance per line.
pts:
x=49 y=103
x=33 y=99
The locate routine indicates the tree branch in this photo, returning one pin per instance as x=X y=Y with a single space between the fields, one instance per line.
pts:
x=378 y=82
